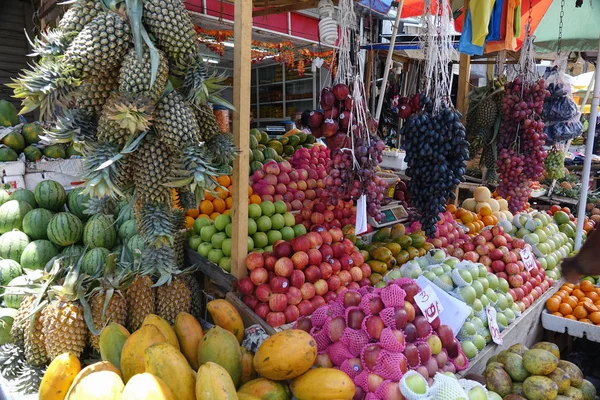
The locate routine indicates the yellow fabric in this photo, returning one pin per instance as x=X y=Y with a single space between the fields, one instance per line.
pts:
x=481 y=12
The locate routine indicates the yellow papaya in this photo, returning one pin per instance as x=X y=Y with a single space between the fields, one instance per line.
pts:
x=189 y=333
x=90 y=369
x=214 y=383
x=397 y=231
x=227 y=317
x=244 y=396
x=166 y=362
x=164 y=327
x=132 y=356
x=147 y=387
x=266 y=389
x=112 y=339
x=395 y=248
x=248 y=372
x=59 y=376
x=382 y=254
x=221 y=347
x=378 y=266
x=101 y=385
x=323 y=384
x=285 y=355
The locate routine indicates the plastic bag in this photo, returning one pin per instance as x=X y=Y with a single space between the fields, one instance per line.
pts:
x=563 y=130
x=559 y=108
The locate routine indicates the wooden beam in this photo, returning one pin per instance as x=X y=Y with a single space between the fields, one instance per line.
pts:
x=369 y=74
x=285 y=8
x=464 y=72
x=242 y=61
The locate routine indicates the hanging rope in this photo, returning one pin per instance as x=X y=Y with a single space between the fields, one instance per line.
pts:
x=560 y=28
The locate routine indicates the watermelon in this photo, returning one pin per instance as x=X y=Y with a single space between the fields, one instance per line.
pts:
x=13 y=293
x=7 y=317
x=127 y=230
x=74 y=251
x=50 y=195
x=125 y=214
x=11 y=215
x=35 y=223
x=9 y=270
x=4 y=196
x=94 y=261
x=24 y=195
x=135 y=243
x=64 y=229
x=100 y=232
x=37 y=254
x=12 y=245
x=77 y=203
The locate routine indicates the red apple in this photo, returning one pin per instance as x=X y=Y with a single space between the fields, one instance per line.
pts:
x=333 y=282
x=345 y=277
x=351 y=299
x=284 y=267
x=306 y=308
x=291 y=313
x=262 y=310
x=370 y=356
x=498 y=266
x=355 y=318
x=254 y=260
x=336 y=265
x=401 y=317
x=300 y=260
x=412 y=355
x=410 y=332
x=312 y=273
x=446 y=335
x=246 y=286
x=314 y=256
x=376 y=305
x=326 y=270
x=356 y=274
x=373 y=382
x=307 y=290
x=336 y=328
x=327 y=238
x=263 y=292
x=250 y=300
x=326 y=252
x=279 y=284
x=301 y=243
x=297 y=278
x=294 y=295
x=321 y=287
x=318 y=301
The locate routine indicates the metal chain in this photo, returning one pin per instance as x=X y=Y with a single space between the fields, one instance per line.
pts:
x=560 y=28
x=529 y=18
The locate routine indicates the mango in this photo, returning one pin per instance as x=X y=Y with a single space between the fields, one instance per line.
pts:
x=382 y=254
x=574 y=393
x=112 y=340
x=514 y=396
x=101 y=385
x=405 y=241
x=221 y=347
x=517 y=388
x=266 y=389
x=323 y=384
x=189 y=335
x=573 y=370
x=227 y=317
x=588 y=390
x=539 y=361
x=164 y=327
x=548 y=346
x=248 y=372
x=539 y=387
x=562 y=379
x=285 y=355
x=500 y=356
x=59 y=376
x=146 y=387
x=518 y=348
x=132 y=357
x=90 y=369
x=498 y=380
x=382 y=235
x=166 y=362
x=513 y=365
x=245 y=396
x=214 y=383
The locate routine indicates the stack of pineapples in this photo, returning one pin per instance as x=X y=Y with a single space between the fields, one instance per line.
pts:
x=125 y=81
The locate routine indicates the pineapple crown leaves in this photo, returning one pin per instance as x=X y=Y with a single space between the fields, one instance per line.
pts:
x=201 y=85
x=132 y=113
x=103 y=166
x=73 y=125
x=157 y=225
x=186 y=198
x=50 y=44
x=222 y=149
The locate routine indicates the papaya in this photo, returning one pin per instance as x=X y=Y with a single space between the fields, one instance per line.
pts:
x=90 y=369
x=227 y=317
x=245 y=396
x=8 y=114
x=397 y=230
x=221 y=347
x=395 y=248
x=214 y=383
x=166 y=362
x=404 y=240
x=266 y=389
x=366 y=255
x=332 y=384
x=381 y=254
x=382 y=235
x=189 y=333
x=101 y=385
x=59 y=376
x=147 y=387
x=418 y=240
x=378 y=266
x=112 y=339
x=132 y=356
x=285 y=355
x=248 y=372
x=164 y=327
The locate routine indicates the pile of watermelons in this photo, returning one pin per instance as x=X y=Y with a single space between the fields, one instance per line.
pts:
x=25 y=138
x=263 y=149
x=37 y=226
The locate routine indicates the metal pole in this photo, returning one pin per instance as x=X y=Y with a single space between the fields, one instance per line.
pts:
x=388 y=60
x=587 y=162
x=585 y=99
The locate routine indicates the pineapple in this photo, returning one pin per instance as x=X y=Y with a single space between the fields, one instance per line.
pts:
x=102 y=205
x=123 y=116
x=135 y=77
x=196 y=294
x=207 y=122
x=175 y=123
x=152 y=166
x=104 y=181
x=221 y=149
x=21 y=322
x=74 y=125
x=169 y=22
x=29 y=379
x=196 y=172
x=81 y=13
x=35 y=339
x=12 y=357
x=140 y=296
x=94 y=91
x=172 y=298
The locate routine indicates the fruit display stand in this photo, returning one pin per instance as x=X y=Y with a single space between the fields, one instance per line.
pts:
x=573 y=328
x=527 y=330
x=210 y=270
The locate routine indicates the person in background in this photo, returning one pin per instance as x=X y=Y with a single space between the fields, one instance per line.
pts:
x=586 y=262
x=302 y=123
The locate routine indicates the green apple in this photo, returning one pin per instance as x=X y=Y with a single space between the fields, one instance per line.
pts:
x=429 y=275
x=435 y=344
x=254 y=211
x=491 y=295
x=477 y=305
x=287 y=233
x=226 y=247
x=477 y=393
x=252 y=227
x=280 y=207
x=194 y=241
x=273 y=236
x=250 y=244
x=469 y=349
x=215 y=255
x=484 y=282
x=492 y=280
x=208 y=232
x=277 y=221
x=468 y=294
x=416 y=383
x=200 y=223
x=229 y=230
x=264 y=224
x=260 y=240
x=289 y=219
x=221 y=222
x=299 y=230
x=204 y=249
x=479 y=342
x=478 y=287
x=217 y=239
x=225 y=263
x=267 y=208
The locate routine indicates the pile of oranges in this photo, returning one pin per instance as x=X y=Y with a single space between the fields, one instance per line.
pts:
x=218 y=203
x=577 y=302
x=474 y=221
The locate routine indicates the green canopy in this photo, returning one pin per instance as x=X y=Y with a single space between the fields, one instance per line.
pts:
x=581 y=28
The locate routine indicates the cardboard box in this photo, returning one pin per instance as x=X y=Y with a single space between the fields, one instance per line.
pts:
x=572 y=328
x=68 y=181
x=12 y=182
x=12 y=168
x=72 y=166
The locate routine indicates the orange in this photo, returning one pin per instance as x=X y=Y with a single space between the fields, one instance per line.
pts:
x=595 y=317
x=223 y=193
x=570 y=317
x=208 y=196
x=553 y=303
x=255 y=199
x=229 y=202
x=488 y=220
x=460 y=212
x=206 y=207
x=567 y=289
x=580 y=312
x=203 y=216
x=569 y=284
x=495 y=219
x=192 y=212
x=230 y=190
x=467 y=218
x=451 y=208
x=249 y=191
x=481 y=224
x=189 y=222
x=214 y=215
x=485 y=211
x=227 y=212
x=565 y=309
x=586 y=286
x=561 y=293
x=219 y=205
x=586 y=321
x=557 y=314
x=471 y=227
x=589 y=306
x=578 y=293
x=224 y=180
x=571 y=301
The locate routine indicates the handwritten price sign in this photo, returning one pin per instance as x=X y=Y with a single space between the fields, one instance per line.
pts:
x=429 y=304
x=527 y=258
x=493 y=325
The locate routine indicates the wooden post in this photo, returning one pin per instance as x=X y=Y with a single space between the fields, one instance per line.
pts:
x=369 y=74
x=242 y=62
x=464 y=71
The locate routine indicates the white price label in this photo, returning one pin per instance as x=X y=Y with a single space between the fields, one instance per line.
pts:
x=527 y=258
x=493 y=325
x=429 y=304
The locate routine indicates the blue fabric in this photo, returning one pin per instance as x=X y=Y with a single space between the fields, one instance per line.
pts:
x=495 y=21
x=378 y=6
x=465 y=46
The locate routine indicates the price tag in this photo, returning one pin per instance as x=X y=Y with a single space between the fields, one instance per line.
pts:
x=527 y=258
x=429 y=304
x=493 y=325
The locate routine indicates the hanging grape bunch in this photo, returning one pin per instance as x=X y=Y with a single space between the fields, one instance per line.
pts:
x=554 y=164
x=521 y=140
x=436 y=152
